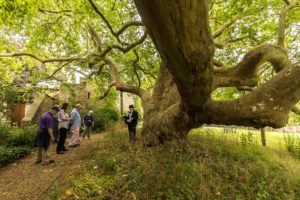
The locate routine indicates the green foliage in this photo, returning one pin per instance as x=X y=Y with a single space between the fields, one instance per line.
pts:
x=246 y=138
x=22 y=137
x=103 y=117
x=10 y=153
x=15 y=142
x=4 y=131
x=292 y=144
x=208 y=168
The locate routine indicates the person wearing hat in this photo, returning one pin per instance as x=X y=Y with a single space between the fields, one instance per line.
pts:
x=88 y=122
x=45 y=135
x=131 y=120
x=75 y=125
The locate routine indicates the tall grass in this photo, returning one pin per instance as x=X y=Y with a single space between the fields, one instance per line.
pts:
x=210 y=167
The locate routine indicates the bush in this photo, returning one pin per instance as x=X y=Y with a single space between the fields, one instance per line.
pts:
x=103 y=117
x=4 y=131
x=22 y=137
x=9 y=154
x=15 y=142
x=292 y=144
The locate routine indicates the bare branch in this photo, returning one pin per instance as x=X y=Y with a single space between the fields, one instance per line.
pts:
x=145 y=72
x=54 y=11
x=58 y=69
x=127 y=48
x=106 y=92
x=227 y=41
x=127 y=25
x=282 y=19
x=42 y=60
x=119 y=32
x=219 y=32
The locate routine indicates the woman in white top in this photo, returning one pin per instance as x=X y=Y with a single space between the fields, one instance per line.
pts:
x=63 y=127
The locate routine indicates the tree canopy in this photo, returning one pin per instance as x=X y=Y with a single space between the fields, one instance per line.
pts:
x=209 y=61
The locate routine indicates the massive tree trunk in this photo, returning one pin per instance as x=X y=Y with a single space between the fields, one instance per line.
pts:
x=182 y=94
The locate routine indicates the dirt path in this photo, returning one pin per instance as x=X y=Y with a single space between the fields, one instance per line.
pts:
x=24 y=180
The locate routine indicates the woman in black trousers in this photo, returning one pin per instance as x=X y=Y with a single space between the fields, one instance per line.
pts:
x=63 y=126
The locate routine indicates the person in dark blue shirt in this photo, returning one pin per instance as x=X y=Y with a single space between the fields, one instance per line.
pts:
x=88 y=122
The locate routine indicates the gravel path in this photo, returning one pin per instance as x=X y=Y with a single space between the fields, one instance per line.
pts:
x=24 y=180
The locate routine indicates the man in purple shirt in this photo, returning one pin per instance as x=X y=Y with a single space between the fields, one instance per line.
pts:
x=45 y=135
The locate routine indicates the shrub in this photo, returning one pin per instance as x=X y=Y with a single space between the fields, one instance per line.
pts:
x=15 y=142
x=292 y=144
x=104 y=117
x=9 y=154
x=22 y=137
x=4 y=131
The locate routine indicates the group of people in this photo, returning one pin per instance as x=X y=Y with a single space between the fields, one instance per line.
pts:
x=65 y=124
x=46 y=126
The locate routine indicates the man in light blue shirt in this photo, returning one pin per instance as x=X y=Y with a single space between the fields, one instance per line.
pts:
x=76 y=122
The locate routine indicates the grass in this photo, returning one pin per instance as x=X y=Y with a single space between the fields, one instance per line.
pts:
x=213 y=166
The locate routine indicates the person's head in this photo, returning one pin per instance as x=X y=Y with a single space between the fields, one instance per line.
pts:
x=65 y=106
x=79 y=106
x=91 y=112
x=131 y=108
x=54 y=109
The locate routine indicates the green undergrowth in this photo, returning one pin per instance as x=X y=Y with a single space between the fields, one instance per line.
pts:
x=15 y=142
x=210 y=167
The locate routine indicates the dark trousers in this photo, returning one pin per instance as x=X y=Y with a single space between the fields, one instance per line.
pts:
x=132 y=132
x=62 y=138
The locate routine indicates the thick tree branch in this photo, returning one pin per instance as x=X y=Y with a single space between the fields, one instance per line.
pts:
x=120 y=85
x=245 y=72
x=218 y=63
x=95 y=38
x=282 y=19
x=295 y=110
x=135 y=67
x=42 y=60
x=268 y=105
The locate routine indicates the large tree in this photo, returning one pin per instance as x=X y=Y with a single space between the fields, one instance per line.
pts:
x=186 y=35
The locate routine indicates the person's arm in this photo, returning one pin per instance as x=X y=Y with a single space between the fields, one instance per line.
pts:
x=50 y=131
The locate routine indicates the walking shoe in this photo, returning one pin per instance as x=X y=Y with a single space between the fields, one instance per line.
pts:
x=48 y=162
x=37 y=162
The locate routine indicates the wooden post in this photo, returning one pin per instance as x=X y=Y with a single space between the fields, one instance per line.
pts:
x=263 y=136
